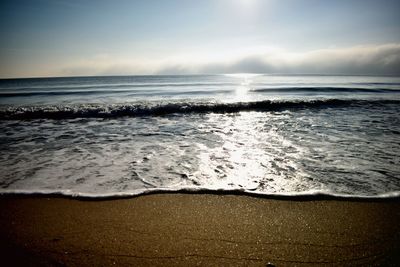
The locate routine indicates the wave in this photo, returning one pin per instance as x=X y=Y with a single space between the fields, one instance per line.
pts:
x=159 y=109
x=128 y=86
x=148 y=92
x=325 y=90
x=305 y=195
x=197 y=88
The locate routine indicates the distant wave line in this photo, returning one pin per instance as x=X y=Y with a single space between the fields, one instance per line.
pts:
x=155 y=91
x=301 y=89
x=108 y=86
x=105 y=92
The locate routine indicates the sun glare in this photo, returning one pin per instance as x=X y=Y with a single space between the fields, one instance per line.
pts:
x=245 y=9
x=244 y=83
x=247 y=3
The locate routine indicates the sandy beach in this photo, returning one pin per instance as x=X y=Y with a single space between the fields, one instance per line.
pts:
x=198 y=229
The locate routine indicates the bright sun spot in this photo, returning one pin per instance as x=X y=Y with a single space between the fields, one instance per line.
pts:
x=247 y=6
x=247 y=3
x=242 y=9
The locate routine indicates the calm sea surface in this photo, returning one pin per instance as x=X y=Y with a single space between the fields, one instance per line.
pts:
x=109 y=136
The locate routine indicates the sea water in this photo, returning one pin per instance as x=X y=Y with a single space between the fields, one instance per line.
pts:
x=265 y=134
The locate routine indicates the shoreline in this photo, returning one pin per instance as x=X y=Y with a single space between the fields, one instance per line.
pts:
x=300 y=196
x=198 y=228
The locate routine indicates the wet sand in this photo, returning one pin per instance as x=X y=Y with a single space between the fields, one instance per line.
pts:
x=198 y=229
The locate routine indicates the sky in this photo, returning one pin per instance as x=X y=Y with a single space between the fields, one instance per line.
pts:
x=48 y=38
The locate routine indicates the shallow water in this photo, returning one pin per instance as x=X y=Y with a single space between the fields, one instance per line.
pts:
x=262 y=134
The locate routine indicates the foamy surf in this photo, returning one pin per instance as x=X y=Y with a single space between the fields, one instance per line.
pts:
x=311 y=195
x=328 y=136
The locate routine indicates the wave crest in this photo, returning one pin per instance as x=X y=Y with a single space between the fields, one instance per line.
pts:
x=159 y=109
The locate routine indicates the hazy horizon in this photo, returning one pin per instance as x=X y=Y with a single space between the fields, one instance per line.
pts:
x=100 y=38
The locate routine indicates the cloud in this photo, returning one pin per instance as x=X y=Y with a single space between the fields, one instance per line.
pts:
x=105 y=64
x=374 y=60
x=357 y=60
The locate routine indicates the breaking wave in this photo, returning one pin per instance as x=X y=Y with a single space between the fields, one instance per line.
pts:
x=161 y=108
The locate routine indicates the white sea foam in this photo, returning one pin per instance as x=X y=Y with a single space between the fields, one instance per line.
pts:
x=312 y=194
x=335 y=136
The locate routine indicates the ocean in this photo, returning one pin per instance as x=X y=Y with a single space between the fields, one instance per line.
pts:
x=259 y=134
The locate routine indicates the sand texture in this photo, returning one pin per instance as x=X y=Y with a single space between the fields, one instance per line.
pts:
x=198 y=229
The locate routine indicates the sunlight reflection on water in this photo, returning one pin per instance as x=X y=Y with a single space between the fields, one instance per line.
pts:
x=328 y=147
x=251 y=155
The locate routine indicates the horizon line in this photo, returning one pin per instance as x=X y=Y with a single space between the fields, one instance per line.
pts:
x=200 y=74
